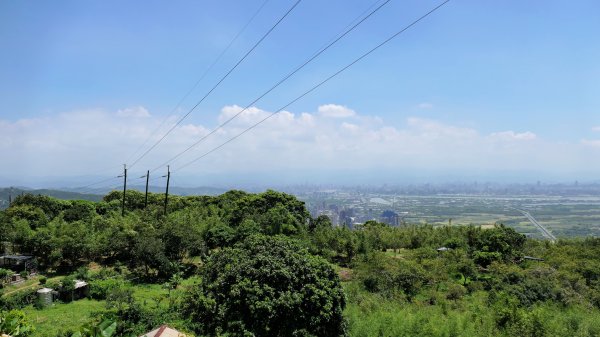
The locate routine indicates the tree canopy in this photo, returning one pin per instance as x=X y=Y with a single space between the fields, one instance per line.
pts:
x=267 y=286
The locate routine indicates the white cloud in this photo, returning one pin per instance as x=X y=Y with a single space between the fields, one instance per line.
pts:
x=425 y=105
x=350 y=127
x=596 y=128
x=249 y=115
x=77 y=142
x=511 y=135
x=336 y=111
x=135 y=112
x=592 y=142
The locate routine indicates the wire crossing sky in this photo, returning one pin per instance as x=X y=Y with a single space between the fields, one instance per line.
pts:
x=208 y=69
x=314 y=87
x=480 y=91
x=351 y=27
x=218 y=83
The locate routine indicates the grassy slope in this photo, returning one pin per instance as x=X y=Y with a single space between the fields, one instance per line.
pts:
x=62 y=316
x=370 y=315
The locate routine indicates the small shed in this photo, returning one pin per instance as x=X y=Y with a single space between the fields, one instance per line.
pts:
x=164 y=331
x=18 y=262
x=82 y=289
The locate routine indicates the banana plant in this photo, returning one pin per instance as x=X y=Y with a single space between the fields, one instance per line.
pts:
x=15 y=324
x=106 y=328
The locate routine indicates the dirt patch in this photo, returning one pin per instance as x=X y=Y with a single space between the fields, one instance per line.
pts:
x=345 y=274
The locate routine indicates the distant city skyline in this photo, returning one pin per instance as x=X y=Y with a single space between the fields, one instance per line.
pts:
x=477 y=91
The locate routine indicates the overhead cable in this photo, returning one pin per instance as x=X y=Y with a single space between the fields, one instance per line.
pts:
x=218 y=83
x=318 y=85
x=285 y=78
x=210 y=67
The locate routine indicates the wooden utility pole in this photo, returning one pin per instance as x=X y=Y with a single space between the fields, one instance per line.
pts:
x=124 y=189
x=167 y=191
x=146 y=198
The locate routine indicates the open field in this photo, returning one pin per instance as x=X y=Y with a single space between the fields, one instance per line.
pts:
x=62 y=316
x=564 y=216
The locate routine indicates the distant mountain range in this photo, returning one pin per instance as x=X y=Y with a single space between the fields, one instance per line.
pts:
x=97 y=194
x=7 y=192
x=203 y=190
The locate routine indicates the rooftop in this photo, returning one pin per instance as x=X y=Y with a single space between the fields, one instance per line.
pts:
x=163 y=331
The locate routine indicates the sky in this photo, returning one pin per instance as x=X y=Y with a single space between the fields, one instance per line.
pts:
x=478 y=90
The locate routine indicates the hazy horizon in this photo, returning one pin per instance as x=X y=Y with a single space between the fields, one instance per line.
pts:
x=254 y=180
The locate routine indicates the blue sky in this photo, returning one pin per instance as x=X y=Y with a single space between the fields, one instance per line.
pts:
x=520 y=78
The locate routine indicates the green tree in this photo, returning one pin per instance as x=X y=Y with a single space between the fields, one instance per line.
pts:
x=499 y=243
x=277 y=212
x=267 y=286
x=322 y=221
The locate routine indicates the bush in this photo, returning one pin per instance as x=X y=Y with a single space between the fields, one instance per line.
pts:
x=18 y=300
x=4 y=273
x=455 y=292
x=14 y=323
x=382 y=274
x=82 y=273
x=100 y=289
x=53 y=284
x=484 y=259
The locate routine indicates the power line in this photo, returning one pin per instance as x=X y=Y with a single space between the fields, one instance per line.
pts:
x=210 y=67
x=318 y=85
x=218 y=83
x=215 y=61
x=98 y=182
x=102 y=187
x=285 y=78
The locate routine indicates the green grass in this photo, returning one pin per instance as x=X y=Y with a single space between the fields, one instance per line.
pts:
x=31 y=282
x=62 y=316
x=150 y=295
x=373 y=315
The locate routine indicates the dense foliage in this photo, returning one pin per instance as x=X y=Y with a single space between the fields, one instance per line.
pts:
x=243 y=264
x=267 y=286
x=15 y=324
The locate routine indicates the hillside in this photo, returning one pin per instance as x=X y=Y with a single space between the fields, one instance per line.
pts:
x=244 y=264
x=59 y=194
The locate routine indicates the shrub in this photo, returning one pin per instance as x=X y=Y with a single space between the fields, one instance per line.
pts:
x=18 y=300
x=14 y=323
x=100 y=289
x=455 y=292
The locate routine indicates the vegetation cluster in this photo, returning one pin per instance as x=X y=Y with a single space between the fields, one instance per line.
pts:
x=243 y=264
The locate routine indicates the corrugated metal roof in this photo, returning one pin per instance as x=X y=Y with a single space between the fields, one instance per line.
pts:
x=16 y=257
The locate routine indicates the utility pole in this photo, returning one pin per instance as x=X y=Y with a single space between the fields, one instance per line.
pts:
x=167 y=191
x=124 y=189
x=147 y=179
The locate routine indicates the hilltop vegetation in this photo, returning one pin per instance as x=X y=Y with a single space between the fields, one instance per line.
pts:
x=242 y=264
x=14 y=192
